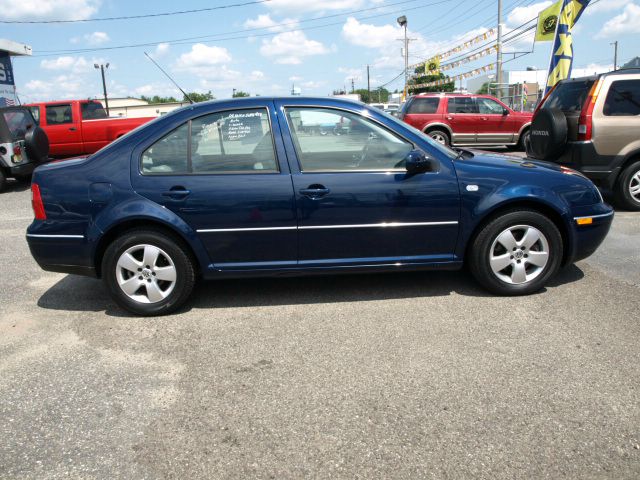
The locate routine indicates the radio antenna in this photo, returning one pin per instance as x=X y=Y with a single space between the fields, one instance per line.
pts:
x=169 y=77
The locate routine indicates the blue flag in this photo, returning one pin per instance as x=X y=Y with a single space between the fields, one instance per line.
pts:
x=562 y=53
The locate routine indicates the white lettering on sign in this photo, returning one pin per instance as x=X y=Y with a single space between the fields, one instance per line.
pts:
x=3 y=73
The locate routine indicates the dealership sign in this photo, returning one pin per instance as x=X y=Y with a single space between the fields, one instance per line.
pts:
x=7 y=85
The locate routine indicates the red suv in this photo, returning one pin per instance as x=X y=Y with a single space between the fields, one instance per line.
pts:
x=463 y=119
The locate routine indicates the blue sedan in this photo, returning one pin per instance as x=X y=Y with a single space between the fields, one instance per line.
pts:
x=293 y=186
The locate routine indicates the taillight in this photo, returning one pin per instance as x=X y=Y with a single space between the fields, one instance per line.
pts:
x=36 y=202
x=17 y=150
x=585 y=121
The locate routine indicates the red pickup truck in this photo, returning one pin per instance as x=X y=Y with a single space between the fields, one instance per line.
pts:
x=80 y=127
x=463 y=119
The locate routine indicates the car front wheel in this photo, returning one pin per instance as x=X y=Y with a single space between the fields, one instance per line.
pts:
x=148 y=272
x=628 y=188
x=516 y=253
x=440 y=137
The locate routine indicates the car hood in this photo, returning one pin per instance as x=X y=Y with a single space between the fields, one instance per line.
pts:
x=510 y=161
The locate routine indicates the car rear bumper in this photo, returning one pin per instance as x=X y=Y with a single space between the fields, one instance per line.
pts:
x=62 y=254
x=582 y=156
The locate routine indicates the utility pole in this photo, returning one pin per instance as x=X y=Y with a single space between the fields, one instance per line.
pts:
x=615 y=55
x=353 y=85
x=368 y=85
x=499 y=51
x=402 y=21
x=104 y=85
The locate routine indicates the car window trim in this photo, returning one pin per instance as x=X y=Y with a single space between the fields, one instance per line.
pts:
x=380 y=124
x=190 y=173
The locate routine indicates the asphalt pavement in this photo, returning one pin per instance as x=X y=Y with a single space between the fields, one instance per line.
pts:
x=408 y=375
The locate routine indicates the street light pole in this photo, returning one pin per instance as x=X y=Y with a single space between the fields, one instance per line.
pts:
x=104 y=85
x=615 y=55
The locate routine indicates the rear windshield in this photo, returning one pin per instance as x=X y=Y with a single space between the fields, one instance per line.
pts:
x=424 y=105
x=19 y=122
x=93 y=111
x=569 y=96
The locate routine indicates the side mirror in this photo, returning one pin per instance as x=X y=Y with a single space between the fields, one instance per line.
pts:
x=418 y=162
x=505 y=111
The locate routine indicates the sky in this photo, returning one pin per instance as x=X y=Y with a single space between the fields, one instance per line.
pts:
x=265 y=47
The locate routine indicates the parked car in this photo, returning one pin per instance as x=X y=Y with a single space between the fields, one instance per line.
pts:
x=464 y=119
x=390 y=108
x=592 y=124
x=236 y=188
x=80 y=127
x=23 y=145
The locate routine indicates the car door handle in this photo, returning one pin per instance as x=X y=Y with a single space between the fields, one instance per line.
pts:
x=72 y=129
x=315 y=191
x=177 y=193
x=449 y=118
x=483 y=118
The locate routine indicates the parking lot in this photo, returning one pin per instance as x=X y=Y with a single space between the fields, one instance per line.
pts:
x=416 y=375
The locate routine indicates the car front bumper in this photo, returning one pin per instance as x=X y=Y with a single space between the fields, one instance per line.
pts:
x=590 y=227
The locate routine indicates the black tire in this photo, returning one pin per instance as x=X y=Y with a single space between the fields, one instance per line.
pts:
x=625 y=182
x=547 y=134
x=441 y=134
x=3 y=180
x=36 y=144
x=480 y=251
x=173 y=247
x=524 y=140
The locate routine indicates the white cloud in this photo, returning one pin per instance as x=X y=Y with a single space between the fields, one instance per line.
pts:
x=203 y=60
x=366 y=35
x=60 y=87
x=317 y=5
x=96 y=38
x=266 y=22
x=627 y=22
x=520 y=15
x=48 y=9
x=161 y=50
x=291 y=47
x=74 y=65
x=295 y=78
x=605 y=6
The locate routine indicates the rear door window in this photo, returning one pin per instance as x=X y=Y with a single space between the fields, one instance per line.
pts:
x=623 y=99
x=238 y=141
x=424 y=105
x=569 y=96
x=462 y=105
x=59 y=114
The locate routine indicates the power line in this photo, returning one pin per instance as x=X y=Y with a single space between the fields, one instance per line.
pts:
x=132 y=17
x=220 y=37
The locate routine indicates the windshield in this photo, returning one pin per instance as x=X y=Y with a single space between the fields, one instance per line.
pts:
x=19 y=122
x=569 y=96
x=438 y=146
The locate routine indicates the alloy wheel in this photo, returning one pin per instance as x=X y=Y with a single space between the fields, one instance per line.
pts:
x=634 y=186
x=519 y=254
x=146 y=273
x=438 y=137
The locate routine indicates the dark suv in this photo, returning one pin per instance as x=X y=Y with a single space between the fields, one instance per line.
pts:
x=23 y=145
x=592 y=124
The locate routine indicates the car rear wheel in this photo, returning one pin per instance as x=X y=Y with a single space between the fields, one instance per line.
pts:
x=524 y=139
x=628 y=187
x=148 y=272
x=516 y=253
x=3 y=180
x=440 y=137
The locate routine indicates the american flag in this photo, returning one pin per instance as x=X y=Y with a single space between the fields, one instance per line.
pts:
x=7 y=102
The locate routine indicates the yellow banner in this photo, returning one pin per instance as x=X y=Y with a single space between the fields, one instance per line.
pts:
x=547 y=21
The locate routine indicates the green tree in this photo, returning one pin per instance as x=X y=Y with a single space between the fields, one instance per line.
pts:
x=484 y=89
x=199 y=97
x=422 y=78
x=240 y=94
x=157 y=99
x=378 y=95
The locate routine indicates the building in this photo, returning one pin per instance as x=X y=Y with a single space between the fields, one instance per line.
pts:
x=136 y=107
